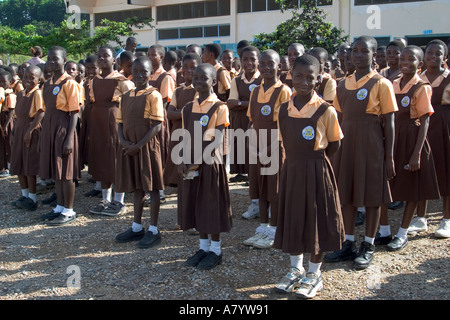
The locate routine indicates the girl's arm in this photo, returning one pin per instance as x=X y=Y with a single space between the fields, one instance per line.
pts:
x=68 y=143
x=233 y=104
x=123 y=142
x=389 y=144
x=8 y=121
x=173 y=114
x=332 y=148
x=33 y=126
x=414 y=161
x=153 y=131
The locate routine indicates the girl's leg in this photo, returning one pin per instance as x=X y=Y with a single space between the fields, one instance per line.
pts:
x=138 y=205
x=273 y=213
x=154 y=210
x=385 y=228
x=446 y=207
x=32 y=183
x=68 y=187
x=408 y=213
x=23 y=181
x=349 y=217
x=107 y=191
x=264 y=210
x=372 y=222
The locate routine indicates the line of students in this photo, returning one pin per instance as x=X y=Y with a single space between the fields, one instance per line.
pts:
x=309 y=205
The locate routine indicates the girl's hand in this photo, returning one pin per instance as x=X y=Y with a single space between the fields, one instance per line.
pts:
x=68 y=146
x=390 y=169
x=182 y=169
x=132 y=150
x=414 y=163
x=27 y=138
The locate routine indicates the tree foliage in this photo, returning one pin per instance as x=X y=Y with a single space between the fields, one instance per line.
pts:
x=306 y=26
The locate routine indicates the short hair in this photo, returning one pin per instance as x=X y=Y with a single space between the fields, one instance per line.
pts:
x=126 y=56
x=33 y=68
x=397 y=43
x=36 y=51
x=215 y=48
x=131 y=39
x=307 y=60
x=70 y=62
x=439 y=43
x=228 y=51
x=381 y=48
x=271 y=52
x=321 y=52
x=140 y=54
x=143 y=60
x=370 y=41
x=192 y=56
x=60 y=49
x=242 y=44
x=417 y=50
x=6 y=73
x=297 y=45
x=159 y=49
x=252 y=49
x=180 y=53
x=14 y=67
x=197 y=49
x=171 y=57
x=91 y=59
x=110 y=48
x=209 y=68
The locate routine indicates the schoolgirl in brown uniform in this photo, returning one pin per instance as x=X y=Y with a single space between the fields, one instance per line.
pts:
x=59 y=158
x=415 y=181
x=7 y=105
x=363 y=176
x=439 y=130
x=309 y=217
x=265 y=101
x=241 y=88
x=294 y=51
x=27 y=128
x=326 y=88
x=204 y=199
x=393 y=51
x=139 y=165
x=105 y=92
x=211 y=54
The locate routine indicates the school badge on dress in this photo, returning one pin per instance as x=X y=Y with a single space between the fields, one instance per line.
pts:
x=56 y=90
x=405 y=101
x=308 y=133
x=362 y=94
x=252 y=86
x=204 y=120
x=265 y=110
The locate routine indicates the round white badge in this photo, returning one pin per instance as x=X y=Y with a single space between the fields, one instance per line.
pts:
x=405 y=101
x=362 y=94
x=265 y=110
x=252 y=86
x=308 y=133
x=56 y=90
x=204 y=120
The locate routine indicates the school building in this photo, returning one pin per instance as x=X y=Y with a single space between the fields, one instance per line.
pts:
x=178 y=23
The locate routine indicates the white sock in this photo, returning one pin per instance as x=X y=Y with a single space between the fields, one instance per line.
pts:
x=32 y=196
x=205 y=244
x=161 y=193
x=297 y=261
x=119 y=197
x=315 y=267
x=350 y=237
x=215 y=247
x=98 y=185
x=106 y=194
x=262 y=228
x=153 y=229
x=255 y=202
x=25 y=192
x=68 y=212
x=369 y=240
x=362 y=209
x=136 y=227
x=58 y=209
x=270 y=232
x=402 y=234
x=385 y=230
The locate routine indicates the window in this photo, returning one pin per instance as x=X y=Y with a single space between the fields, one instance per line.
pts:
x=268 y=5
x=259 y=5
x=244 y=6
x=122 y=15
x=368 y=2
x=193 y=10
x=166 y=34
x=195 y=32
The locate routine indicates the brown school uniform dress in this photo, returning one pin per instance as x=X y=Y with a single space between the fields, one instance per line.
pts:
x=439 y=131
x=182 y=96
x=309 y=217
x=359 y=163
x=286 y=78
x=25 y=160
x=8 y=103
x=421 y=184
x=239 y=119
x=85 y=123
x=143 y=171
x=223 y=82
x=391 y=75
x=204 y=202
x=53 y=164
x=262 y=115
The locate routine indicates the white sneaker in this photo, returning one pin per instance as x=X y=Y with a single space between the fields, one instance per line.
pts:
x=309 y=286
x=265 y=242
x=251 y=241
x=291 y=281
x=252 y=212
x=444 y=229
x=417 y=225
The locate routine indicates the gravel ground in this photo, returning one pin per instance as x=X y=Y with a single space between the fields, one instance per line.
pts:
x=37 y=260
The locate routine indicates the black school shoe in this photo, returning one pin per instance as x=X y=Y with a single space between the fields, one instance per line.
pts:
x=93 y=193
x=50 y=216
x=364 y=256
x=210 y=261
x=360 y=218
x=149 y=240
x=397 y=244
x=129 y=236
x=26 y=204
x=62 y=219
x=382 y=241
x=14 y=203
x=50 y=199
x=348 y=252
x=196 y=258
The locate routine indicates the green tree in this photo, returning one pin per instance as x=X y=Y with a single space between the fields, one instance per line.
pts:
x=306 y=26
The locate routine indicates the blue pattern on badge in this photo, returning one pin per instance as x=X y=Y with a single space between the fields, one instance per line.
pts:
x=204 y=120
x=56 y=90
x=362 y=94
x=308 y=133
x=265 y=110
x=252 y=86
x=405 y=101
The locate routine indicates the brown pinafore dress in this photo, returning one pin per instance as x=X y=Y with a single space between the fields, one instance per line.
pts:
x=407 y=185
x=164 y=134
x=264 y=186
x=53 y=164
x=359 y=163
x=183 y=96
x=309 y=216
x=142 y=171
x=85 y=125
x=103 y=138
x=221 y=96
x=204 y=202
x=321 y=88
x=439 y=137
x=24 y=161
x=5 y=142
x=239 y=120
x=288 y=82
